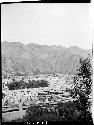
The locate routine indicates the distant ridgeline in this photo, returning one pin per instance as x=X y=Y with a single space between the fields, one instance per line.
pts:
x=19 y=59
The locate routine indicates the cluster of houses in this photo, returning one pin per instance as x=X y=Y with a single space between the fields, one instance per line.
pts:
x=34 y=96
x=56 y=91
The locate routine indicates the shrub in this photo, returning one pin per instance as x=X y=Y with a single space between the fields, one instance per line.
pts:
x=61 y=112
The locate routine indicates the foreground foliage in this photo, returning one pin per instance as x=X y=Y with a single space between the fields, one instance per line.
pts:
x=69 y=111
x=83 y=83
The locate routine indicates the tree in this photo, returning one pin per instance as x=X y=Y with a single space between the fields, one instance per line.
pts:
x=86 y=73
x=83 y=83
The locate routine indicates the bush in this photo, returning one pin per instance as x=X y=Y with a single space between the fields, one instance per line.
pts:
x=62 y=112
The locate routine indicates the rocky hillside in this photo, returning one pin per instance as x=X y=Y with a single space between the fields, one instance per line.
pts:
x=30 y=59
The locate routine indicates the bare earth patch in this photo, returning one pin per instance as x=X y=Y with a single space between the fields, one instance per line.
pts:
x=9 y=116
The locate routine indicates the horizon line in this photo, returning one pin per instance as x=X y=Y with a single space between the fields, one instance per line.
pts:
x=47 y=45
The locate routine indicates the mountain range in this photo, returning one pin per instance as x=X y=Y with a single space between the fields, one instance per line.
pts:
x=32 y=59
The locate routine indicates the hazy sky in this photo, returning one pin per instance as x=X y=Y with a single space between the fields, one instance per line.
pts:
x=66 y=24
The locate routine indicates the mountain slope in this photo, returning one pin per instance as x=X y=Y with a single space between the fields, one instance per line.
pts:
x=30 y=59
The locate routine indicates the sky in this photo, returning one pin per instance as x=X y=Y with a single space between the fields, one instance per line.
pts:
x=65 y=24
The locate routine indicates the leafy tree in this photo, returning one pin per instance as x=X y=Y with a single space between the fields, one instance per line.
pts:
x=32 y=84
x=83 y=83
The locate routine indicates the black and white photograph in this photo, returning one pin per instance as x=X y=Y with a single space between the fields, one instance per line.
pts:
x=46 y=62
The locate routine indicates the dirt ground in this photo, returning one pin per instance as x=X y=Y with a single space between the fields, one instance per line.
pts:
x=9 y=116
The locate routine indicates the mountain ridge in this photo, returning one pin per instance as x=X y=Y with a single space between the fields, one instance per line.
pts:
x=31 y=43
x=33 y=59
